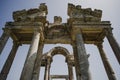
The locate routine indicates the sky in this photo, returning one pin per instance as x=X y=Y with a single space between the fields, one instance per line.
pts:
x=111 y=12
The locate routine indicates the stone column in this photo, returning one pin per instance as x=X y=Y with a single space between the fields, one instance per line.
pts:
x=47 y=68
x=108 y=68
x=83 y=64
x=30 y=60
x=70 y=67
x=114 y=45
x=37 y=66
x=9 y=61
x=70 y=70
x=76 y=62
x=3 y=39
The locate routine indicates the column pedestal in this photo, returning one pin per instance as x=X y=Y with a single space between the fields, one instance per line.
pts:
x=108 y=68
x=9 y=61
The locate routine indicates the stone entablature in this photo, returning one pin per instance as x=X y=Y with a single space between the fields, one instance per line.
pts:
x=93 y=32
x=80 y=20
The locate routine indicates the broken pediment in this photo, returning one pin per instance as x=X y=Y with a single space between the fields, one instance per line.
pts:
x=31 y=14
x=76 y=13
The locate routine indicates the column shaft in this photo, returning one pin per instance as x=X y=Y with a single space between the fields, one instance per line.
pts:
x=108 y=68
x=76 y=62
x=114 y=45
x=30 y=60
x=46 y=76
x=3 y=40
x=9 y=61
x=47 y=69
x=83 y=63
x=37 y=66
x=70 y=70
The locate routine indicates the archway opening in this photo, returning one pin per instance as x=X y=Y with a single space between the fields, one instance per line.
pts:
x=59 y=66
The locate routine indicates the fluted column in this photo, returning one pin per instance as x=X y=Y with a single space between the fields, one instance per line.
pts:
x=47 y=68
x=108 y=68
x=3 y=39
x=83 y=64
x=37 y=66
x=30 y=60
x=9 y=61
x=114 y=45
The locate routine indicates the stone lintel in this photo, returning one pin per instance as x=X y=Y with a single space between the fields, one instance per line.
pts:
x=59 y=76
x=92 y=25
x=54 y=41
x=56 y=24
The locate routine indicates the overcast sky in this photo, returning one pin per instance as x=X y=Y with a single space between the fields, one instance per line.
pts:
x=111 y=12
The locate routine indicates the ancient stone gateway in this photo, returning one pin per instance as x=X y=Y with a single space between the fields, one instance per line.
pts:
x=84 y=26
x=47 y=59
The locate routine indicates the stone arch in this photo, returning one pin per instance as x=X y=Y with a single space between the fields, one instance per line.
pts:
x=58 y=50
x=48 y=58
